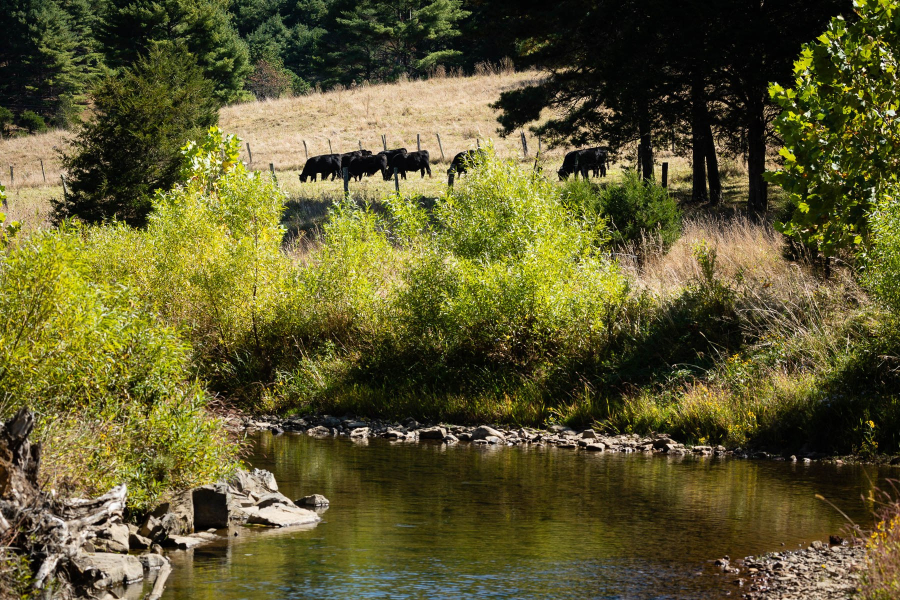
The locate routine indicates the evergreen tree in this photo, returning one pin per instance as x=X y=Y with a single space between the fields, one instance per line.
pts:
x=131 y=27
x=46 y=59
x=144 y=116
x=379 y=39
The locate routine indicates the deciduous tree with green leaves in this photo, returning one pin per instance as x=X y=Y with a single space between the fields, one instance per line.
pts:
x=840 y=127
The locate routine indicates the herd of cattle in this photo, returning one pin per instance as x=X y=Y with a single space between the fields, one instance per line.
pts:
x=362 y=163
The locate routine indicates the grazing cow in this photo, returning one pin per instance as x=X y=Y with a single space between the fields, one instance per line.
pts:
x=582 y=161
x=464 y=160
x=324 y=165
x=390 y=154
x=412 y=161
x=367 y=165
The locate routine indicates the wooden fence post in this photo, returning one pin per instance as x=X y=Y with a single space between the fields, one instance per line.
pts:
x=539 y=145
x=418 y=142
x=360 y=145
x=65 y=187
x=524 y=144
x=249 y=153
x=441 y=146
x=665 y=174
x=478 y=143
x=330 y=151
x=346 y=182
x=43 y=173
x=397 y=180
x=272 y=171
x=384 y=141
x=12 y=178
x=305 y=150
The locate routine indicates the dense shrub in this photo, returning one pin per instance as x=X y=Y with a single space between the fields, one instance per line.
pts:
x=32 y=122
x=110 y=384
x=209 y=261
x=6 y=119
x=633 y=209
x=883 y=252
x=131 y=148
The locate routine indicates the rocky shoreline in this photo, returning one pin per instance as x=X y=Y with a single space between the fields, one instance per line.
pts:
x=84 y=548
x=820 y=572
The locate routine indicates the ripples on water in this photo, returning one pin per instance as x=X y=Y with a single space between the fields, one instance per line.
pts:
x=432 y=521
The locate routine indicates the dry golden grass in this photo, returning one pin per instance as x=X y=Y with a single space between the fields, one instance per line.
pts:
x=454 y=107
x=25 y=154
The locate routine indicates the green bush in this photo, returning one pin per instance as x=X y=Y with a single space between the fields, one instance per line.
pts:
x=883 y=253
x=131 y=148
x=6 y=119
x=111 y=385
x=633 y=209
x=209 y=260
x=32 y=121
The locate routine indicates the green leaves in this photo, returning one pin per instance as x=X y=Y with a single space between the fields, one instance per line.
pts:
x=839 y=125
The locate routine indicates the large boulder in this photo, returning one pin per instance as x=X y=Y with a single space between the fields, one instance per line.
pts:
x=216 y=507
x=484 y=432
x=105 y=570
x=113 y=537
x=177 y=515
x=279 y=515
x=258 y=482
x=433 y=433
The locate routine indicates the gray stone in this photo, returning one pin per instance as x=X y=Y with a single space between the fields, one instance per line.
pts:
x=273 y=498
x=595 y=447
x=314 y=500
x=282 y=516
x=359 y=432
x=493 y=439
x=588 y=434
x=113 y=538
x=138 y=542
x=258 y=482
x=351 y=425
x=216 y=507
x=152 y=562
x=450 y=439
x=109 y=570
x=432 y=433
x=331 y=422
x=318 y=431
x=183 y=542
x=484 y=432
x=661 y=443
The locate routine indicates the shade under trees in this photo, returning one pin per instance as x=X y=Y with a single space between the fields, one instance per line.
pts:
x=635 y=71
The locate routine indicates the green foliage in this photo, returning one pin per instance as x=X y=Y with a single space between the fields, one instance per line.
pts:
x=111 y=385
x=32 y=121
x=633 y=209
x=840 y=127
x=382 y=39
x=132 y=28
x=132 y=147
x=882 y=272
x=6 y=119
x=209 y=260
x=47 y=58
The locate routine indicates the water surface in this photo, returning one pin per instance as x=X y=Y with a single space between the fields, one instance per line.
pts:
x=431 y=521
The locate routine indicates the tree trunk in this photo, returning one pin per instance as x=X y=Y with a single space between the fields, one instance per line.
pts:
x=758 y=200
x=712 y=167
x=699 y=130
x=645 y=154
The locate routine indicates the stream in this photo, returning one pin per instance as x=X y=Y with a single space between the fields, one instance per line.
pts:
x=431 y=521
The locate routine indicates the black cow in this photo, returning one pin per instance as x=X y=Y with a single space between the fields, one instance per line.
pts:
x=390 y=154
x=582 y=161
x=412 y=161
x=367 y=165
x=464 y=160
x=324 y=165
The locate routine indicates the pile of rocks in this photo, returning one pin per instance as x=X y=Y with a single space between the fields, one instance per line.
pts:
x=411 y=430
x=82 y=546
x=820 y=572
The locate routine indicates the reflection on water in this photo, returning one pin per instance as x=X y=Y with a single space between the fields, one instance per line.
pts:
x=432 y=521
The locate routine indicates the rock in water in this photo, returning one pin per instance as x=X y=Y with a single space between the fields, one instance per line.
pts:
x=484 y=432
x=314 y=500
x=432 y=433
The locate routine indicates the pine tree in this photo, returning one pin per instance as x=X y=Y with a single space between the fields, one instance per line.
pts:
x=46 y=59
x=132 y=27
x=144 y=115
x=380 y=39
